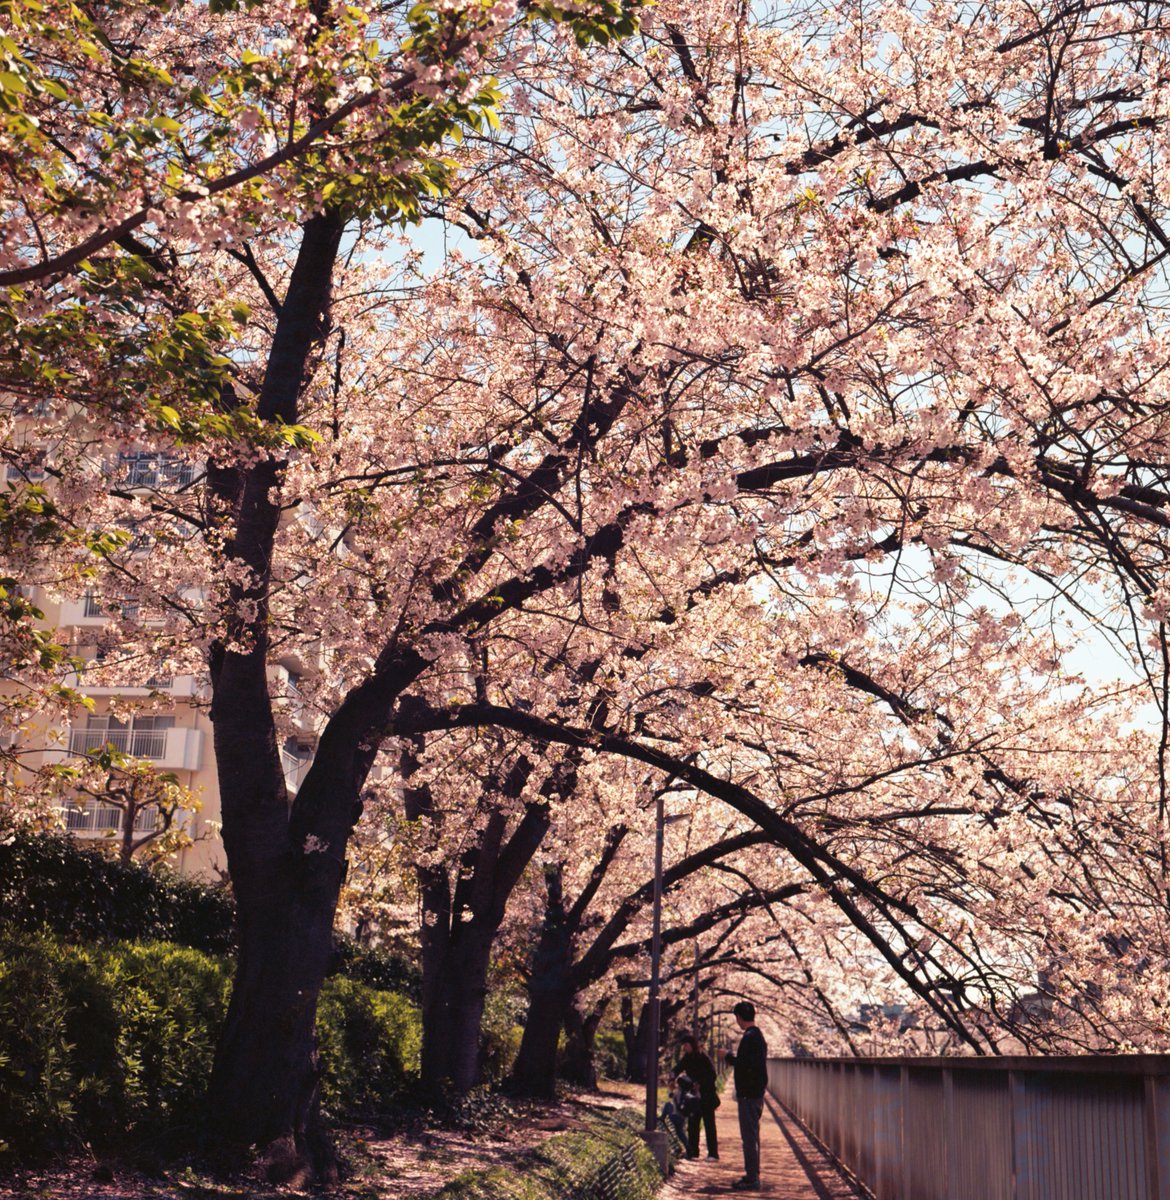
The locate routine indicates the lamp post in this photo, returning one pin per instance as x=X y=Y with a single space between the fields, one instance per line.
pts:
x=695 y=997
x=655 y=1137
x=655 y=956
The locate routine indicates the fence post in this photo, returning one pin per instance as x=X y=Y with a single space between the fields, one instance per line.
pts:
x=1021 y=1174
x=904 y=1133
x=949 y=1190
x=1157 y=1103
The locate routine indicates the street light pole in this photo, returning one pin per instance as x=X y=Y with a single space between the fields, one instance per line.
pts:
x=655 y=955
x=695 y=998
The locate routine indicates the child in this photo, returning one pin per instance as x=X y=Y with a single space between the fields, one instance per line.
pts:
x=673 y=1110
x=691 y=1106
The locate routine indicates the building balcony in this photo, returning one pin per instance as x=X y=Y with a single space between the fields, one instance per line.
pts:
x=96 y=610
x=178 y=749
x=152 y=471
x=181 y=687
x=96 y=819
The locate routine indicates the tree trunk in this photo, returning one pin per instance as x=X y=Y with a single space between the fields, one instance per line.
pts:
x=550 y=991
x=452 y=1018
x=637 y=1040
x=580 y=1065
x=266 y=1079
x=535 y=1069
x=286 y=866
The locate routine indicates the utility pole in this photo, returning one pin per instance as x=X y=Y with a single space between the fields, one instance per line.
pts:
x=655 y=1137
x=695 y=996
x=655 y=957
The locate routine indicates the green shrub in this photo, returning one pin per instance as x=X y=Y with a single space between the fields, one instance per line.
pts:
x=36 y=1057
x=609 y=1053
x=49 y=882
x=101 y=1043
x=171 y=1002
x=387 y=970
x=499 y=1034
x=97 y=1042
x=53 y=883
x=369 y=1043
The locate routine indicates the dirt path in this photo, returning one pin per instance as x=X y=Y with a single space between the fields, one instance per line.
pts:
x=404 y=1166
x=792 y=1166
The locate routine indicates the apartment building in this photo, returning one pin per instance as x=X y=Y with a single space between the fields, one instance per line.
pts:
x=139 y=709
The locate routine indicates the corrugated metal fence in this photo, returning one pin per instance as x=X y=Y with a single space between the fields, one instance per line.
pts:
x=1091 y=1128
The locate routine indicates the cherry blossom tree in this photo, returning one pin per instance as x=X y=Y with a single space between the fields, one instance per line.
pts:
x=772 y=338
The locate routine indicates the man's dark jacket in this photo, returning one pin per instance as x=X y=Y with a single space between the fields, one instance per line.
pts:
x=751 y=1065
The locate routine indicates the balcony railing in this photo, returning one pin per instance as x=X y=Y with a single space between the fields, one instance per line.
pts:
x=154 y=471
x=138 y=743
x=95 y=817
x=105 y=606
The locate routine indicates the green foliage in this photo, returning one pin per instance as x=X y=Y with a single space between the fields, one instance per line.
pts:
x=500 y=1034
x=52 y=883
x=571 y=1164
x=101 y=1042
x=369 y=1044
x=609 y=1053
x=608 y=20
x=384 y=970
x=104 y=1044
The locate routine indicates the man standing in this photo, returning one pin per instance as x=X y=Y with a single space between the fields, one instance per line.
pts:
x=751 y=1079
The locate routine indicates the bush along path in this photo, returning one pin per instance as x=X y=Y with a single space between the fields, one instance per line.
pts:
x=107 y=1047
x=581 y=1148
x=51 y=883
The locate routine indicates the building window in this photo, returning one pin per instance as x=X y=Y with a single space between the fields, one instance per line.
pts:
x=150 y=469
x=139 y=737
x=106 y=606
x=30 y=470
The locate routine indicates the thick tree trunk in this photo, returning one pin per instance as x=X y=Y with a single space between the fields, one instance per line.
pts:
x=461 y=920
x=550 y=991
x=265 y=1085
x=637 y=1037
x=535 y=1070
x=454 y=997
x=580 y=1064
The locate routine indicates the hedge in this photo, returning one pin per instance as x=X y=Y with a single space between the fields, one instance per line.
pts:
x=51 y=883
x=113 y=1044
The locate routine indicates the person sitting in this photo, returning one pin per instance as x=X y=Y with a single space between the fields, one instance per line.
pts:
x=672 y=1110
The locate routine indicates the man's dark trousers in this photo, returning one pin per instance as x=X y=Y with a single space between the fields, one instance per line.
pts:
x=750 y=1112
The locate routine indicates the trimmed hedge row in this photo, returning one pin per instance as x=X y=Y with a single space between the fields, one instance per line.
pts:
x=607 y=1160
x=103 y=1043
x=52 y=883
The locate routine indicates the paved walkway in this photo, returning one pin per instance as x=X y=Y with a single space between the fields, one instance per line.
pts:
x=792 y=1166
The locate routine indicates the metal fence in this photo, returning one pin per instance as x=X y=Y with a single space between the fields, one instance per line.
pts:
x=1075 y=1128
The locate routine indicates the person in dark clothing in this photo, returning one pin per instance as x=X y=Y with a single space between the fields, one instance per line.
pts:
x=750 y=1061
x=674 y=1110
x=695 y=1064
